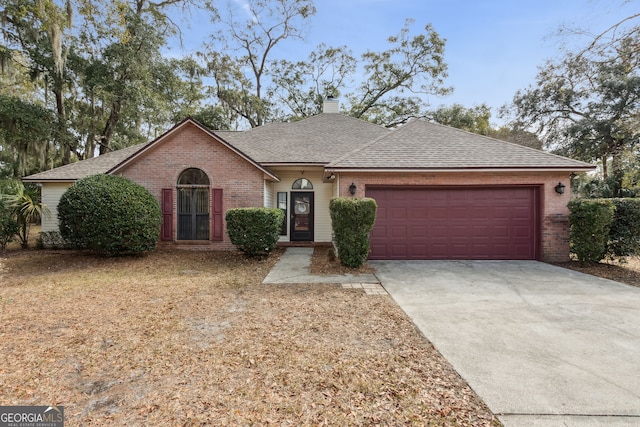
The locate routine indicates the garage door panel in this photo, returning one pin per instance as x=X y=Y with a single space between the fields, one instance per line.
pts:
x=398 y=231
x=438 y=213
x=480 y=231
x=395 y=196
x=399 y=251
x=521 y=232
x=500 y=250
x=417 y=213
x=397 y=213
x=459 y=231
x=457 y=212
x=482 y=212
x=438 y=231
x=419 y=248
x=438 y=197
x=378 y=232
x=438 y=251
x=500 y=231
x=454 y=223
x=418 y=232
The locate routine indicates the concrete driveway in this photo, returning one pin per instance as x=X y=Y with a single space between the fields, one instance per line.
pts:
x=541 y=345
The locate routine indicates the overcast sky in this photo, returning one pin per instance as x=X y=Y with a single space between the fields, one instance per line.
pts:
x=493 y=47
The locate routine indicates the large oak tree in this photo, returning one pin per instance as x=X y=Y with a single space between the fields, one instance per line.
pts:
x=587 y=106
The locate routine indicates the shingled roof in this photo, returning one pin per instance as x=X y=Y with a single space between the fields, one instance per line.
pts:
x=317 y=139
x=95 y=165
x=341 y=142
x=422 y=145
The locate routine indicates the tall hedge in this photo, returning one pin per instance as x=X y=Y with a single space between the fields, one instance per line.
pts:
x=110 y=215
x=590 y=222
x=254 y=231
x=352 y=220
x=624 y=234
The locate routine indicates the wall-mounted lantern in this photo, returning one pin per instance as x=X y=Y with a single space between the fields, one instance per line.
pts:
x=560 y=188
x=352 y=189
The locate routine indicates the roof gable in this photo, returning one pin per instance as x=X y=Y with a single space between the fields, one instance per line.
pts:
x=425 y=145
x=185 y=123
x=116 y=160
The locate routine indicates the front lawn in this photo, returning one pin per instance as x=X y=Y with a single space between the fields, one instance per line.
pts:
x=181 y=338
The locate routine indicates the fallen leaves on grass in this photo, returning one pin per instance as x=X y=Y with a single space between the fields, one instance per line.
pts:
x=193 y=338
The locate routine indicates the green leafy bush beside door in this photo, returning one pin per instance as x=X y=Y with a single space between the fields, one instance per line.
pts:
x=352 y=220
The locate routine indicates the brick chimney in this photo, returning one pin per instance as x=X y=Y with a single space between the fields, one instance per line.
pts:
x=330 y=105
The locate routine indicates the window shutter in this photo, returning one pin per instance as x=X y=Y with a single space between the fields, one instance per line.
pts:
x=167 y=214
x=216 y=214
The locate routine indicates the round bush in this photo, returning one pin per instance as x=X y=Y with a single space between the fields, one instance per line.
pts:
x=110 y=215
x=254 y=231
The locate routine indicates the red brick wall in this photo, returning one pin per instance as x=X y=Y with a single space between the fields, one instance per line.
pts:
x=554 y=222
x=190 y=147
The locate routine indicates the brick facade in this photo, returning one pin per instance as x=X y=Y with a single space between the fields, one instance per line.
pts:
x=191 y=147
x=554 y=223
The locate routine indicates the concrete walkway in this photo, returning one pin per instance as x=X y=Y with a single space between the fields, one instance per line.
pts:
x=541 y=345
x=294 y=267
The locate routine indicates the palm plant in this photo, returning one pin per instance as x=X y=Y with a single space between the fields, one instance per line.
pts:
x=26 y=207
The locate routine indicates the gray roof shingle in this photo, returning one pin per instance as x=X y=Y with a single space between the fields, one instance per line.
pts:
x=343 y=142
x=317 y=139
x=424 y=145
x=84 y=168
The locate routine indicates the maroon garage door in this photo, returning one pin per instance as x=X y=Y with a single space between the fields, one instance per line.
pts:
x=455 y=223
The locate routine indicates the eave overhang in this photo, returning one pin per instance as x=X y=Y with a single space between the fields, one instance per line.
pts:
x=459 y=170
x=40 y=180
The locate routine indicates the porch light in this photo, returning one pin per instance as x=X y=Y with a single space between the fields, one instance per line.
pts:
x=331 y=177
x=352 y=189
x=560 y=188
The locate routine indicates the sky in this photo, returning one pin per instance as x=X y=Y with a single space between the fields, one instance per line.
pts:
x=493 y=47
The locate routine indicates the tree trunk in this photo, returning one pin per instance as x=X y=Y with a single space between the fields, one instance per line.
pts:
x=90 y=146
x=65 y=147
x=110 y=127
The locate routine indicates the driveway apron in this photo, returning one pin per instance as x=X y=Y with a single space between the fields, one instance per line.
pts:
x=540 y=344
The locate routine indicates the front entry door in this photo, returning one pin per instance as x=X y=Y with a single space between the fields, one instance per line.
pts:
x=302 y=216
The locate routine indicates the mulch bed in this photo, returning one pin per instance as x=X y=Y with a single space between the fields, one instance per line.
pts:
x=325 y=262
x=625 y=271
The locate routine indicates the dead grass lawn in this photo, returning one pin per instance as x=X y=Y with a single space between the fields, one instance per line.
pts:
x=181 y=338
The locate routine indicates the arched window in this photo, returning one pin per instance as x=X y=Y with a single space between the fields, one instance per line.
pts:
x=193 y=176
x=302 y=184
x=193 y=205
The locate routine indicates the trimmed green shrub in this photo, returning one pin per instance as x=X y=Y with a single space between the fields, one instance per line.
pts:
x=8 y=227
x=254 y=231
x=110 y=215
x=590 y=222
x=352 y=220
x=624 y=235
